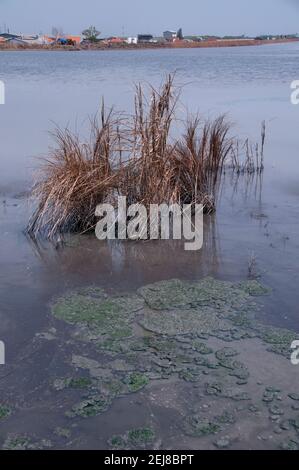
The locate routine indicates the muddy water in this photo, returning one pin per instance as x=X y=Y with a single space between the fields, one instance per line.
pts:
x=257 y=218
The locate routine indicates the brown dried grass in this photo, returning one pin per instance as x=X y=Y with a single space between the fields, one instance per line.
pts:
x=133 y=156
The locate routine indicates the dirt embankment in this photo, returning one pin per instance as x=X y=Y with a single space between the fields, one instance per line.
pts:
x=176 y=45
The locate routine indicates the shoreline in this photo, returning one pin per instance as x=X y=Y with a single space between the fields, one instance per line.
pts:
x=177 y=45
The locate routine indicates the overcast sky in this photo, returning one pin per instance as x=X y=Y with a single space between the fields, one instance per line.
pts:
x=130 y=17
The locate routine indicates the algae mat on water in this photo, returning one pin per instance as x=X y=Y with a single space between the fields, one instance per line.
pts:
x=203 y=304
x=202 y=338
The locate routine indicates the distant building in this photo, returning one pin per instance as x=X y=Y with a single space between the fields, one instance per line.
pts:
x=69 y=40
x=16 y=41
x=49 y=40
x=170 y=35
x=8 y=37
x=145 y=38
x=26 y=40
x=115 y=40
x=76 y=39
x=132 y=40
x=30 y=40
x=38 y=39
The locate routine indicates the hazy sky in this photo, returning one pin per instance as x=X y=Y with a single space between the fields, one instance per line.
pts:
x=130 y=17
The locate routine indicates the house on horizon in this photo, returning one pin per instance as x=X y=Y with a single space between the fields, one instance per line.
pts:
x=67 y=39
x=76 y=39
x=145 y=38
x=4 y=37
x=132 y=40
x=115 y=40
x=170 y=35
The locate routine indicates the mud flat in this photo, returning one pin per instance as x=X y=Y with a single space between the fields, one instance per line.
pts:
x=175 y=364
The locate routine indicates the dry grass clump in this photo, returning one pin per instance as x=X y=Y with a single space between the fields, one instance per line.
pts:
x=75 y=178
x=149 y=171
x=250 y=158
x=134 y=156
x=198 y=160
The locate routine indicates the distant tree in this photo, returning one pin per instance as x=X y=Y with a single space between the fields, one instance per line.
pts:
x=91 y=34
x=180 y=34
x=57 y=32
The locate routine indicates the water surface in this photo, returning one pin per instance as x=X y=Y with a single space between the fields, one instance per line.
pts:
x=260 y=219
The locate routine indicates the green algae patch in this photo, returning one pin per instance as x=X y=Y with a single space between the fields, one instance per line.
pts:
x=200 y=426
x=201 y=348
x=117 y=442
x=114 y=379
x=102 y=375
x=270 y=394
x=84 y=309
x=222 y=443
x=17 y=443
x=177 y=332
x=253 y=288
x=110 y=317
x=137 y=381
x=138 y=438
x=279 y=340
x=166 y=308
x=141 y=436
x=190 y=374
x=226 y=359
x=167 y=295
x=294 y=396
x=72 y=382
x=182 y=322
x=226 y=418
x=80 y=382
x=179 y=308
x=93 y=292
x=62 y=432
x=222 y=390
x=290 y=445
x=276 y=410
x=5 y=411
x=176 y=318
x=91 y=406
x=23 y=442
x=113 y=387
